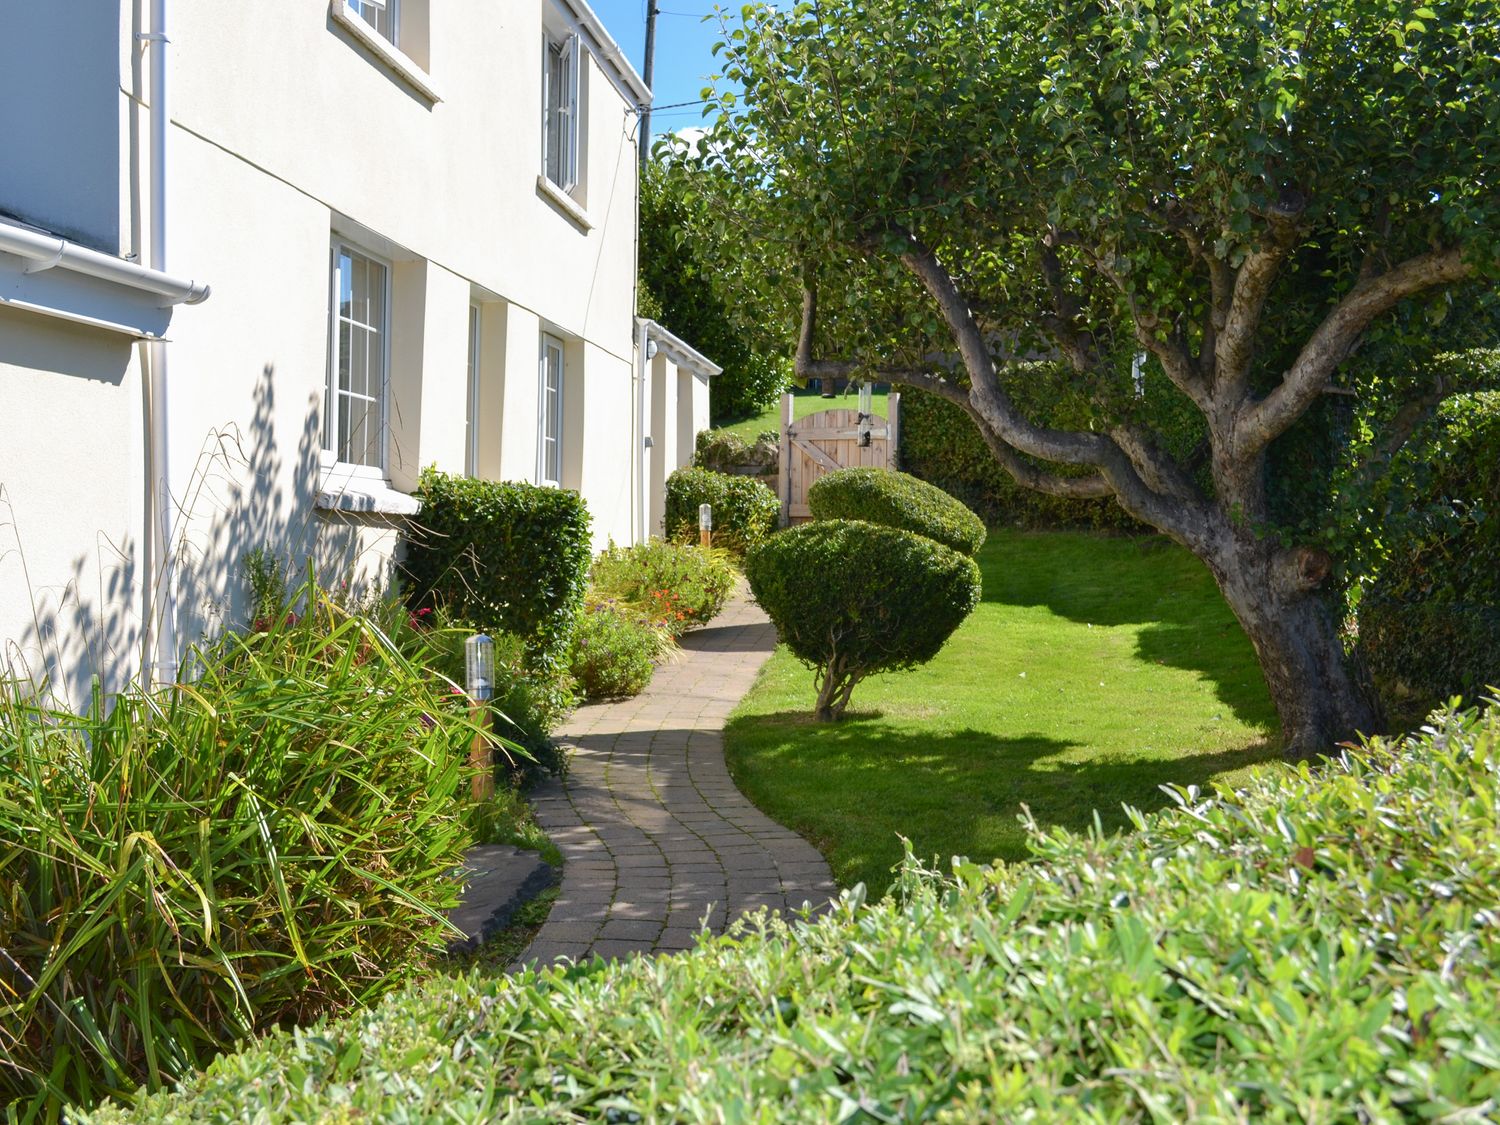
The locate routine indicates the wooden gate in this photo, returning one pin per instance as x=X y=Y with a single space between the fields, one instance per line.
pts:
x=829 y=440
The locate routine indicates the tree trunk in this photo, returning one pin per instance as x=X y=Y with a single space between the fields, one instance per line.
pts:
x=1321 y=698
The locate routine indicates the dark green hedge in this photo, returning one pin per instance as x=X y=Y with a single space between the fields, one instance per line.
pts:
x=743 y=507
x=503 y=556
x=896 y=500
x=1312 y=946
x=1429 y=623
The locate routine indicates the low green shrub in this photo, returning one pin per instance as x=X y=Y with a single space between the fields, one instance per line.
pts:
x=852 y=598
x=745 y=510
x=896 y=500
x=676 y=585
x=724 y=451
x=181 y=869
x=614 y=650
x=505 y=556
x=1318 y=946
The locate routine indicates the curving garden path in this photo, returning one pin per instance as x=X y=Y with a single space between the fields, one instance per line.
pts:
x=656 y=836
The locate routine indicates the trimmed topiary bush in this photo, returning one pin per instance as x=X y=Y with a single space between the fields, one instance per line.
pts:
x=505 y=556
x=676 y=584
x=895 y=499
x=1316 y=946
x=852 y=598
x=745 y=510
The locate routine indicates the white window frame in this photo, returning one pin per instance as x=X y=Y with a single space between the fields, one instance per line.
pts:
x=570 y=51
x=471 y=416
x=554 y=345
x=332 y=401
x=369 y=11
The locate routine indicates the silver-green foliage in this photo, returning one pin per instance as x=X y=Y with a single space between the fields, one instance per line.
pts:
x=184 y=868
x=1314 y=947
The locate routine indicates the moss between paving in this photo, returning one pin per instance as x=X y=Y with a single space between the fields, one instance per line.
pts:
x=1095 y=670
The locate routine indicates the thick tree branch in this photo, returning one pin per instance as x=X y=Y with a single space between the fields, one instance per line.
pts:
x=1183 y=519
x=1234 y=348
x=1333 y=340
x=1075 y=343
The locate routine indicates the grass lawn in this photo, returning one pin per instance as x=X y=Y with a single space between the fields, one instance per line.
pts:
x=803 y=404
x=1095 y=670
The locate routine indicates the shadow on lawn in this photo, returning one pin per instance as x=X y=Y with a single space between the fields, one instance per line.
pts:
x=1135 y=580
x=952 y=793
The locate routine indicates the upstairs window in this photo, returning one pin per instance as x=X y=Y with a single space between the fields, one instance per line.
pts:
x=560 y=111
x=359 y=359
x=383 y=15
x=549 y=413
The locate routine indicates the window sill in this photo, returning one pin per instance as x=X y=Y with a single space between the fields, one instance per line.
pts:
x=383 y=49
x=350 y=488
x=563 y=202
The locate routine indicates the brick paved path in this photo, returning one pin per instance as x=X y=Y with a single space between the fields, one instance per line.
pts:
x=655 y=834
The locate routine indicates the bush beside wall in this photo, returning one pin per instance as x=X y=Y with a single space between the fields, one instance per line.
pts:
x=745 y=511
x=1316 y=946
x=503 y=556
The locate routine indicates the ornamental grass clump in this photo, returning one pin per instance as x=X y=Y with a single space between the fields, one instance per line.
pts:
x=894 y=499
x=271 y=843
x=851 y=598
x=1319 y=946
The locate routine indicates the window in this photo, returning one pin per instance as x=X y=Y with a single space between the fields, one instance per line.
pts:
x=359 y=359
x=560 y=111
x=383 y=15
x=549 y=443
x=471 y=417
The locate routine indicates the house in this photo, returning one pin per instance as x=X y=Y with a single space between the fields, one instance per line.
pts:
x=262 y=263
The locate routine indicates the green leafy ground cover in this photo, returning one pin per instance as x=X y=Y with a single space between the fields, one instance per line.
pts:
x=1315 y=948
x=1094 y=670
x=804 y=402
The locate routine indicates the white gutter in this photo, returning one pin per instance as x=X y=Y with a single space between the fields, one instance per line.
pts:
x=621 y=73
x=643 y=451
x=680 y=352
x=48 y=251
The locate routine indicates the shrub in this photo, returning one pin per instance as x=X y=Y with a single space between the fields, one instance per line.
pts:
x=613 y=651
x=186 y=868
x=505 y=556
x=745 y=510
x=724 y=451
x=677 y=585
x=1315 y=947
x=1429 y=619
x=852 y=598
x=896 y=500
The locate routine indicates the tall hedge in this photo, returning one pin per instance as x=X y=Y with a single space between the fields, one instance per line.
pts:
x=743 y=507
x=502 y=555
x=1429 y=621
x=895 y=499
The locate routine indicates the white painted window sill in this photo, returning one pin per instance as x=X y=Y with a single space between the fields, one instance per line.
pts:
x=563 y=202
x=383 y=49
x=351 y=488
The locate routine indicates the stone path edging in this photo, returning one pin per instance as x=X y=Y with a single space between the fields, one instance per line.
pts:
x=655 y=835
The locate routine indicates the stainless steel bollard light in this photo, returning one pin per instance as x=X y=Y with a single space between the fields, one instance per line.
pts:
x=479 y=667
x=479 y=672
x=705 y=525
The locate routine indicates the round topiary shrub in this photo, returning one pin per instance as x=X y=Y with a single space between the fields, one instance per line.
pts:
x=745 y=511
x=894 y=499
x=852 y=598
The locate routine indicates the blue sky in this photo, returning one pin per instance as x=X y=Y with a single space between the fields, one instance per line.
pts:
x=683 y=51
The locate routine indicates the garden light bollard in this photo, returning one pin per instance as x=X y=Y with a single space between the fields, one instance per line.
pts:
x=705 y=525
x=479 y=671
